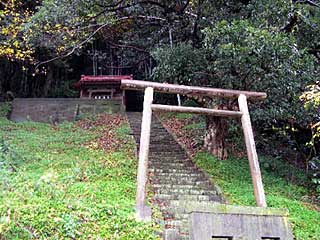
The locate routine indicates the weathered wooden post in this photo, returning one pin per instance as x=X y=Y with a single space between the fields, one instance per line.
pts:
x=143 y=212
x=252 y=152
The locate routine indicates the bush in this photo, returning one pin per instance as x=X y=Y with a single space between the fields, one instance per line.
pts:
x=5 y=109
x=10 y=159
x=314 y=169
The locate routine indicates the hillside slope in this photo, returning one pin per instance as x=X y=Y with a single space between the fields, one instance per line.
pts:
x=70 y=181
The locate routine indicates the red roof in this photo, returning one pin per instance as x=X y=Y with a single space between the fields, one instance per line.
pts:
x=103 y=79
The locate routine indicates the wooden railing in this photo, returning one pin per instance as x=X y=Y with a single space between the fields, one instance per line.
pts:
x=144 y=212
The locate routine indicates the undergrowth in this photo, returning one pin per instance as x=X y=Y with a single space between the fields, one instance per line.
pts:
x=55 y=186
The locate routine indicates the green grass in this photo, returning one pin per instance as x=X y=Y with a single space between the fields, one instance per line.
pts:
x=53 y=186
x=195 y=126
x=180 y=116
x=233 y=176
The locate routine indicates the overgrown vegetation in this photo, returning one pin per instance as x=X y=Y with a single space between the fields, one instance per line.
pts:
x=54 y=185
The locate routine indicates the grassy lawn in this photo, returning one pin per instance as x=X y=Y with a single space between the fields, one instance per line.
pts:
x=57 y=183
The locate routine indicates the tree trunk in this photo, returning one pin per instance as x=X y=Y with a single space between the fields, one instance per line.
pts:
x=214 y=141
x=1 y=93
x=48 y=82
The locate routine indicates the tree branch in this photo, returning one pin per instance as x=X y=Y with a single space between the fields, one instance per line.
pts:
x=127 y=46
x=4 y=4
x=93 y=34
x=291 y=23
x=184 y=6
x=74 y=47
x=308 y=2
x=316 y=53
x=110 y=5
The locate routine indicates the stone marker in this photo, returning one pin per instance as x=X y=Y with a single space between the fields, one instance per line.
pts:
x=226 y=222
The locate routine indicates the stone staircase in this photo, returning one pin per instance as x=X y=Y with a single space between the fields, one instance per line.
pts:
x=173 y=178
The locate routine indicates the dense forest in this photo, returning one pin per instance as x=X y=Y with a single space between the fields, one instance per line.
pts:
x=271 y=46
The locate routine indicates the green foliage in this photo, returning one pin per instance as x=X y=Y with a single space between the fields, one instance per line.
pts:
x=195 y=126
x=237 y=186
x=239 y=56
x=314 y=169
x=183 y=116
x=270 y=14
x=5 y=109
x=190 y=103
x=10 y=159
x=64 y=27
x=311 y=99
x=307 y=30
x=66 y=90
x=123 y=131
x=255 y=58
x=61 y=188
x=180 y=64
x=55 y=25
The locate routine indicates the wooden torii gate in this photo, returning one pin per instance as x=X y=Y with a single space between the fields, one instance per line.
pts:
x=142 y=210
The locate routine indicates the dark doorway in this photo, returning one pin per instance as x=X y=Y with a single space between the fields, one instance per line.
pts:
x=134 y=101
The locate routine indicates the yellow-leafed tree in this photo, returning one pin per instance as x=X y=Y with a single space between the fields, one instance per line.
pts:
x=13 y=15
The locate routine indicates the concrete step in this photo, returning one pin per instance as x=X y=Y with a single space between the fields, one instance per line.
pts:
x=184 y=191
x=204 y=184
x=169 y=214
x=164 y=152
x=158 y=181
x=173 y=224
x=188 y=197
x=165 y=159
x=165 y=146
x=172 y=165
x=167 y=155
x=154 y=162
x=170 y=170
x=180 y=181
x=178 y=175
